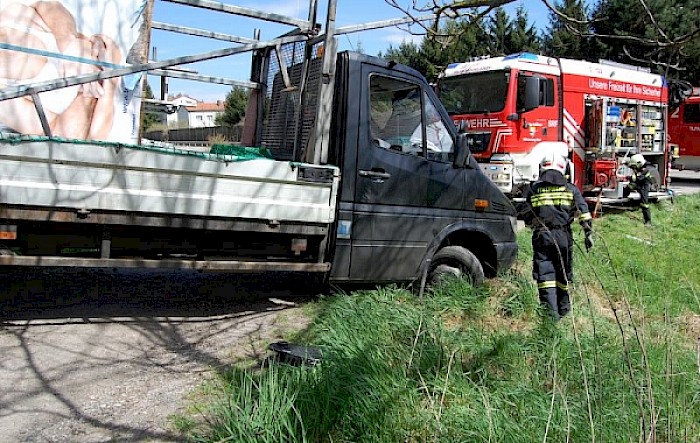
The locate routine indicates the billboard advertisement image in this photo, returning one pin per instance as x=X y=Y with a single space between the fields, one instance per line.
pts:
x=41 y=41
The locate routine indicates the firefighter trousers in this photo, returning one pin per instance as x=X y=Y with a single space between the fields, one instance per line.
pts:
x=644 y=190
x=551 y=268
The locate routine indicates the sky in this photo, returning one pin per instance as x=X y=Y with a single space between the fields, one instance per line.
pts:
x=167 y=45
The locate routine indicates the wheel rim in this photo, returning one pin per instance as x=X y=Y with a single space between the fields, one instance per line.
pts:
x=445 y=272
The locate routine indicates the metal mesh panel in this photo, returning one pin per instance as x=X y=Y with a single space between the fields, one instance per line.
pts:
x=290 y=111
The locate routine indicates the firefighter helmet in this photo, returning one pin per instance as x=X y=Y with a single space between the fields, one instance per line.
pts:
x=637 y=161
x=554 y=161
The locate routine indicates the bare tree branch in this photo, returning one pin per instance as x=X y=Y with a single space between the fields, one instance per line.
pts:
x=564 y=17
x=445 y=10
x=476 y=9
x=653 y=19
x=649 y=42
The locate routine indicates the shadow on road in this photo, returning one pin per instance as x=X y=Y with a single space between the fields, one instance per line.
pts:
x=103 y=355
x=98 y=293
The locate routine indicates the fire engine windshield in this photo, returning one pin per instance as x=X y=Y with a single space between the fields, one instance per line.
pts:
x=482 y=92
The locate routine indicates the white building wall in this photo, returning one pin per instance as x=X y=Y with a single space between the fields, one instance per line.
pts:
x=202 y=119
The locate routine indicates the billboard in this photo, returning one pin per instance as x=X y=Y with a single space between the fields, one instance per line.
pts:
x=45 y=40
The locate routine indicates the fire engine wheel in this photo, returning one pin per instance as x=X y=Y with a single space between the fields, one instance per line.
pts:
x=455 y=262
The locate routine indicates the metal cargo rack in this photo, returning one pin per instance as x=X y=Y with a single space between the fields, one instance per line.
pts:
x=285 y=58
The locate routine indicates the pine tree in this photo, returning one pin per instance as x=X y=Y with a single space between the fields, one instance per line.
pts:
x=148 y=119
x=500 y=28
x=473 y=41
x=621 y=18
x=407 y=54
x=234 y=107
x=524 y=36
x=564 y=38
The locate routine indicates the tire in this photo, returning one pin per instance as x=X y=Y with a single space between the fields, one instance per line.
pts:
x=455 y=261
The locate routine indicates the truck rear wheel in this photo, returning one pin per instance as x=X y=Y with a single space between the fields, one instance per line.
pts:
x=455 y=261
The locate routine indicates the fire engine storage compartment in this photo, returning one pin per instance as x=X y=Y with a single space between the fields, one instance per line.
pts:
x=617 y=129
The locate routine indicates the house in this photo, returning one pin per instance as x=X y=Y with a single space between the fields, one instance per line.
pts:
x=201 y=115
x=178 y=101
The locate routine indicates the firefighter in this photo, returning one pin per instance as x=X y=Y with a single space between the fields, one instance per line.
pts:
x=552 y=205
x=645 y=176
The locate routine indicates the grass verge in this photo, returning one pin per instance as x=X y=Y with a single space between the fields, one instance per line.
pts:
x=479 y=364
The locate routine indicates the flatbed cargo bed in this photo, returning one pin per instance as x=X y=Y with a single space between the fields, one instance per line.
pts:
x=119 y=178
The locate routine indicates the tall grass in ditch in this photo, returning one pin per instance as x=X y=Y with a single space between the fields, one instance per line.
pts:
x=480 y=365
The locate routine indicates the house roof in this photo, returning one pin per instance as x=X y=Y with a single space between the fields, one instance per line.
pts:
x=206 y=107
x=180 y=95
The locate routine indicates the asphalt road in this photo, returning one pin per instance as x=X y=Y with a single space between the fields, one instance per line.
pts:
x=685 y=182
x=97 y=356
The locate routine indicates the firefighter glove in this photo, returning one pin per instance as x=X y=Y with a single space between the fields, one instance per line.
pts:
x=589 y=240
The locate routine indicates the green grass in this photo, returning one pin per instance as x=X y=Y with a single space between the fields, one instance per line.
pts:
x=480 y=365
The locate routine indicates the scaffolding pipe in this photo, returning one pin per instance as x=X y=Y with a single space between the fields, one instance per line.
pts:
x=42 y=115
x=313 y=10
x=49 y=85
x=382 y=24
x=200 y=33
x=204 y=78
x=246 y=12
x=324 y=111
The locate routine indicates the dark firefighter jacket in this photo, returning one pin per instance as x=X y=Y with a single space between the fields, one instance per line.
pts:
x=648 y=175
x=554 y=203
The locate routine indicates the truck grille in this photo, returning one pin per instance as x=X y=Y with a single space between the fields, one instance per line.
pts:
x=478 y=141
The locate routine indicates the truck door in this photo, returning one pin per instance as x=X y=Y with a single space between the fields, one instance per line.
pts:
x=404 y=175
x=689 y=134
x=541 y=123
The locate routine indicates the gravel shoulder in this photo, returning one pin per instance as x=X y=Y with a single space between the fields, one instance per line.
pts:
x=110 y=357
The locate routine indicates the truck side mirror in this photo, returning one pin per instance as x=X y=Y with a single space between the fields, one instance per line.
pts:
x=462 y=157
x=532 y=93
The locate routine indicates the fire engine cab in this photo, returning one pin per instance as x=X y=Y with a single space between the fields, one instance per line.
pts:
x=684 y=132
x=517 y=108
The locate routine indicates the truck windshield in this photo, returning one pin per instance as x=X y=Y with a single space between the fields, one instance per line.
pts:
x=474 y=93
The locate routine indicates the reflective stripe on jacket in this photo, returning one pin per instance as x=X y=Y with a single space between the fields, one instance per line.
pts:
x=557 y=205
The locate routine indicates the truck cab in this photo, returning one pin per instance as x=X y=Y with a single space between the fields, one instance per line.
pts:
x=519 y=107
x=509 y=109
x=412 y=200
x=684 y=132
x=412 y=196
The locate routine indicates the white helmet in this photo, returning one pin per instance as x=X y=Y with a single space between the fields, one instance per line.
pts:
x=554 y=161
x=637 y=161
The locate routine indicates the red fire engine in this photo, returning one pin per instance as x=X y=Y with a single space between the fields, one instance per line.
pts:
x=684 y=132
x=516 y=108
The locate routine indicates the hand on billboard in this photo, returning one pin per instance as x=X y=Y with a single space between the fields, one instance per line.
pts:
x=70 y=111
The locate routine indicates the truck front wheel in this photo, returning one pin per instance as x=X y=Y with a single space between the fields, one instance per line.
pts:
x=455 y=261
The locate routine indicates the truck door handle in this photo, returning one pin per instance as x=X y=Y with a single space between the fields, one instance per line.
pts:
x=375 y=174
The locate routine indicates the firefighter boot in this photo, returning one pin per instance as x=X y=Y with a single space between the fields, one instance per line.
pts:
x=548 y=299
x=646 y=214
x=564 y=305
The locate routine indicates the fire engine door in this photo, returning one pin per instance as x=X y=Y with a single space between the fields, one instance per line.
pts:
x=542 y=123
